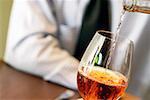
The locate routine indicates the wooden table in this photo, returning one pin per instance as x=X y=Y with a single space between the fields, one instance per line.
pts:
x=16 y=85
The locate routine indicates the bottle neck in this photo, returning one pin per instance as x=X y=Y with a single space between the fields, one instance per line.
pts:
x=137 y=6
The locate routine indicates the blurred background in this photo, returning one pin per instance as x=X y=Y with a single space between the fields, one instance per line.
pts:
x=5 y=8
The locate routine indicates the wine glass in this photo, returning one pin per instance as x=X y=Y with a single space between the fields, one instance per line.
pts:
x=104 y=69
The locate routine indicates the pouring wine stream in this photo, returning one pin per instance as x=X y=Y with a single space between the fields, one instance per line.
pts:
x=115 y=38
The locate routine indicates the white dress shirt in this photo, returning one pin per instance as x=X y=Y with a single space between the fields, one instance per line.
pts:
x=31 y=46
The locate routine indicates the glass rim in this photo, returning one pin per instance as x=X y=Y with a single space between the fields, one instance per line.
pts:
x=113 y=34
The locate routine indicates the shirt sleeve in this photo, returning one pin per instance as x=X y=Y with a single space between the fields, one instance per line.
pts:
x=33 y=48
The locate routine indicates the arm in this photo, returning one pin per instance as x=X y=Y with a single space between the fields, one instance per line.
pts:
x=31 y=46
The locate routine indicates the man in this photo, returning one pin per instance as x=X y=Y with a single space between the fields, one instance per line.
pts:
x=43 y=36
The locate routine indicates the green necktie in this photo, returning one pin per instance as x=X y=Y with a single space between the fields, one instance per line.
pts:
x=96 y=17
